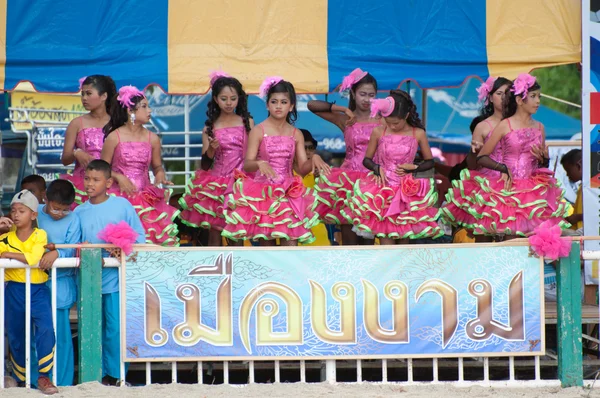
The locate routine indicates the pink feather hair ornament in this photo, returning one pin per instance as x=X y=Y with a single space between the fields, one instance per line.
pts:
x=382 y=106
x=485 y=89
x=353 y=78
x=81 y=82
x=126 y=93
x=120 y=235
x=522 y=84
x=546 y=242
x=267 y=84
x=216 y=75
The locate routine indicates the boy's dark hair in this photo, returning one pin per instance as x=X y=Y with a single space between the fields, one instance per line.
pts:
x=35 y=180
x=571 y=157
x=100 y=165
x=308 y=137
x=61 y=192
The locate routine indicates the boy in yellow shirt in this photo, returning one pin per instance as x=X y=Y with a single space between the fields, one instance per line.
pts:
x=26 y=243
x=571 y=162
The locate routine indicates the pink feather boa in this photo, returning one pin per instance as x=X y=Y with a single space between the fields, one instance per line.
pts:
x=546 y=242
x=120 y=235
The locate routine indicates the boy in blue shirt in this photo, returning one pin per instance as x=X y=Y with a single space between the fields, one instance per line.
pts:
x=62 y=227
x=95 y=215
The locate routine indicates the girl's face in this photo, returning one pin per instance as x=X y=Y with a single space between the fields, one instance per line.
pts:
x=498 y=96
x=363 y=96
x=227 y=100
x=396 y=124
x=142 y=112
x=531 y=103
x=91 y=99
x=279 y=105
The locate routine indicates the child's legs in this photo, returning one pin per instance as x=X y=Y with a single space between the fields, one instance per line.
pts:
x=111 y=336
x=64 y=349
x=14 y=321
x=41 y=317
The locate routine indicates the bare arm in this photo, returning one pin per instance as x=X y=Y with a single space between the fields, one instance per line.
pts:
x=156 y=161
x=68 y=156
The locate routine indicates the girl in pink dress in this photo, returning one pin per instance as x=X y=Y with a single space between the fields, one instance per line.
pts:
x=492 y=93
x=84 y=136
x=132 y=149
x=390 y=203
x=525 y=193
x=275 y=204
x=356 y=124
x=224 y=140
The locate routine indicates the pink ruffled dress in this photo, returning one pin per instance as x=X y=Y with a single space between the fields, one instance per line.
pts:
x=89 y=140
x=333 y=189
x=453 y=212
x=535 y=196
x=278 y=208
x=405 y=207
x=132 y=159
x=204 y=196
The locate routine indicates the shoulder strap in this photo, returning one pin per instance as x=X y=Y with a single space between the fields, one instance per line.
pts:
x=149 y=136
x=509 y=126
x=81 y=119
x=262 y=127
x=118 y=135
x=489 y=123
x=413 y=132
x=384 y=130
x=540 y=126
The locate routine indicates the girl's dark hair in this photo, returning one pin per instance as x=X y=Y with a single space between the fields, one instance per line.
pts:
x=509 y=106
x=103 y=84
x=404 y=105
x=213 y=112
x=285 y=87
x=488 y=110
x=368 y=79
x=118 y=114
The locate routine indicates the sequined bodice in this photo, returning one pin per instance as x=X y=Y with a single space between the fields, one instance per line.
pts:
x=357 y=138
x=132 y=159
x=394 y=150
x=230 y=153
x=89 y=140
x=279 y=151
x=516 y=151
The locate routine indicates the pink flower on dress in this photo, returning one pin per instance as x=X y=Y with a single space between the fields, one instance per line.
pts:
x=410 y=186
x=152 y=195
x=239 y=175
x=546 y=242
x=296 y=189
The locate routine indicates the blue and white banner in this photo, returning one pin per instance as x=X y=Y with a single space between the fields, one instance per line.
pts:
x=200 y=304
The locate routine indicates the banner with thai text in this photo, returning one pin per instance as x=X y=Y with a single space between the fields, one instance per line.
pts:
x=198 y=304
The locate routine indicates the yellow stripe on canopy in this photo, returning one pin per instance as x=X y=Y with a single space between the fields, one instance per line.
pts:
x=248 y=40
x=524 y=35
x=3 y=13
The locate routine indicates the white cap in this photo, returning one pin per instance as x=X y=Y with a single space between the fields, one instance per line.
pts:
x=27 y=198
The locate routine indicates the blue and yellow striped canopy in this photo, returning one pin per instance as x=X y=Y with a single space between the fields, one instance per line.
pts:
x=312 y=43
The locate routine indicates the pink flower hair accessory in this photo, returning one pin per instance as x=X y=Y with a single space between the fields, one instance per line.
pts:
x=353 y=78
x=485 y=89
x=81 y=82
x=120 y=235
x=522 y=84
x=546 y=242
x=382 y=106
x=126 y=93
x=216 y=75
x=267 y=84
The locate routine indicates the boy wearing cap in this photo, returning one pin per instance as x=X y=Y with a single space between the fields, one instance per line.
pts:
x=25 y=243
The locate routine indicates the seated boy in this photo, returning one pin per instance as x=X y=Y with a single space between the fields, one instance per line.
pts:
x=36 y=184
x=95 y=214
x=25 y=243
x=62 y=227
